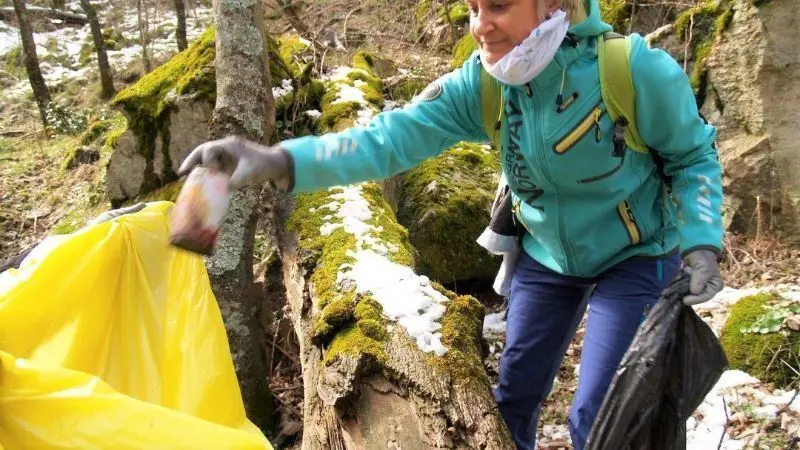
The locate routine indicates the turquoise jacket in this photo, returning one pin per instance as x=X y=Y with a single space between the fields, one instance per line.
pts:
x=584 y=207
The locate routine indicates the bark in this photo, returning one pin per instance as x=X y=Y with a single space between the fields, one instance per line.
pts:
x=244 y=107
x=6 y=13
x=106 y=80
x=40 y=92
x=358 y=402
x=144 y=31
x=180 y=31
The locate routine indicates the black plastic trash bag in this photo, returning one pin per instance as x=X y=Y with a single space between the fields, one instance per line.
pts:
x=674 y=361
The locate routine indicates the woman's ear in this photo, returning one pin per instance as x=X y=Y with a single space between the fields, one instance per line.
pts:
x=551 y=6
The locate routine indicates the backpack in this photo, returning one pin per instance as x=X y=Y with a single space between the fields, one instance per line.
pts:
x=616 y=89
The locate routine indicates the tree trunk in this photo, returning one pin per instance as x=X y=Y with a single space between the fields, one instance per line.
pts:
x=40 y=92
x=367 y=382
x=180 y=31
x=144 y=25
x=244 y=107
x=289 y=10
x=106 y=80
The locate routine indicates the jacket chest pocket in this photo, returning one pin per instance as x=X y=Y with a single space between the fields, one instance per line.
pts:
x=586 y=152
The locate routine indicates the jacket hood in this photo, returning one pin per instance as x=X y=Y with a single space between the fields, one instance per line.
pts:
x=587 y=21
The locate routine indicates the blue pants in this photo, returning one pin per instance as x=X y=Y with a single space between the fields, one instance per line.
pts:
x=544 y=311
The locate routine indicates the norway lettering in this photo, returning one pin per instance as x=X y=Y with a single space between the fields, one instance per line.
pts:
x=514 y=163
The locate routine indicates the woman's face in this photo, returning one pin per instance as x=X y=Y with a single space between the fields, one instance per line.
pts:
x=500 y=25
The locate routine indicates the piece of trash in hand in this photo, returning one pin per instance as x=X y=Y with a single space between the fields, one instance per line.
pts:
x=199 y=211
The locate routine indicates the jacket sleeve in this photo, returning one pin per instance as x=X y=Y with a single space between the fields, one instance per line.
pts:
x=448 y=111
x=669 y=123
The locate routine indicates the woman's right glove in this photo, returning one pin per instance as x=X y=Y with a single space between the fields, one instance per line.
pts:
x=245 y=161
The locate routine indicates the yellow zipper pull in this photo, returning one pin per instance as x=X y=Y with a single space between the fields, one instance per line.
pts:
x=597 y=115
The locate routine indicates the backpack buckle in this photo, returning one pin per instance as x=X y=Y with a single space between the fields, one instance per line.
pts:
x=619 y=137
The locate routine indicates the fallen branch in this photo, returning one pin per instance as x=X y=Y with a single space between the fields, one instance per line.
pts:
x=7 y=14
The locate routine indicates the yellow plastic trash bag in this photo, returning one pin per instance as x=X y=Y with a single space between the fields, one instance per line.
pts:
x=111 y=338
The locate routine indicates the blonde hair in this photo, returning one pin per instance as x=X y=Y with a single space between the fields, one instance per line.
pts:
x=575 y=9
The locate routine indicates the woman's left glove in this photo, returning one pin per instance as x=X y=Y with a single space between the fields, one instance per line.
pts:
x=244 y=160
x=706 y=279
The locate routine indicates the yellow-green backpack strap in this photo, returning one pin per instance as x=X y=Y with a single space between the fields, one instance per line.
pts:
x=491 y=107
x=616 y=86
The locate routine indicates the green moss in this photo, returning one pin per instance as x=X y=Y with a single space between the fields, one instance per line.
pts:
x=94 y=131
x=462 y=326
x=459 y=14
x=463 y=50
x=616 y=13
x=291 y=47
x=335 y=315
x=352 y=341
x=111 y=138
x=70 y=223
x=338 y=117
x=289 y=117
x=407 y=89
x=342 y=311
x=708 y=20
x=15 y=64
x=445 y=205
x=148 y=102
x=374 y=88
x=373 y=329
x=769 y=357
x=364 y=61
x=368 y=310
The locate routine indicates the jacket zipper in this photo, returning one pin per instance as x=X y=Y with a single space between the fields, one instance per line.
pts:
x=561 y=232
x=625 y=214
x=576 y=134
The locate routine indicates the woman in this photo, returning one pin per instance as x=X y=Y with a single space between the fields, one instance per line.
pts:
x=595 y=233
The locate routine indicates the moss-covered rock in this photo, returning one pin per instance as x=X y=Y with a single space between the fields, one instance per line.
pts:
x=425 y=12
x=616 y=13
x=445 y=206
x=771 y=356
x=293 y=49
x=407 y=89
x=168 y=111
x=463 y=50
x=708 y=21
x=352 y=95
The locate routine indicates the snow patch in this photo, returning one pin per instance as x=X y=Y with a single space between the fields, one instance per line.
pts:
x=9 y=38
x=407 y=298
x=66 y=42
x=284 y=89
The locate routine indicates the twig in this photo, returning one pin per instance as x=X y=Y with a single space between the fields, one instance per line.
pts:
x=285 y=353
x=346 y=18
x=727 y=423
x=776 y=420
x=688 y=41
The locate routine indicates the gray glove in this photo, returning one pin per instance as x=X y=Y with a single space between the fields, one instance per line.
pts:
x=244 y=160
x=706 y=279
x=114 y=213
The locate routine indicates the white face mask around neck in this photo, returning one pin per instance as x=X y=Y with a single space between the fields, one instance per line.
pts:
x=527 y=60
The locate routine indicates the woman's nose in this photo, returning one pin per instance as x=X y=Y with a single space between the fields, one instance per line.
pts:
x=481 y=24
